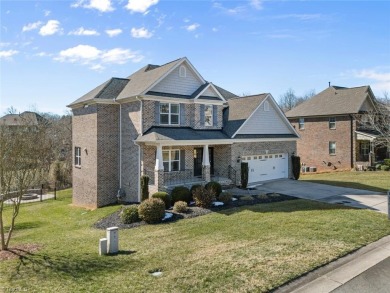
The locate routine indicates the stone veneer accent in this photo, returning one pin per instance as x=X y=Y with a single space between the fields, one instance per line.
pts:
x=313 y=147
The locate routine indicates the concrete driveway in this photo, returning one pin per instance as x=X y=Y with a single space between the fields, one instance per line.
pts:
x=357 y=198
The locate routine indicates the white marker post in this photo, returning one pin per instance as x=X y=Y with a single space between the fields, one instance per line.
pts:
x=112 y=240
x=103 y=246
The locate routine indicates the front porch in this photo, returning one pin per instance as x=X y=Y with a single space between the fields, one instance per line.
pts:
x=186 y=165
x=369 y=150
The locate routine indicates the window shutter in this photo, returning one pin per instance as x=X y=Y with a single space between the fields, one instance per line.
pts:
x=201 y=115
x=182 y=160
x=215 y=115
x=157 y=112
x=182 y=114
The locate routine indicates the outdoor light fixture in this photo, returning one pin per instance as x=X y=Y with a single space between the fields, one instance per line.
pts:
x=86 y=151
x=238 y=159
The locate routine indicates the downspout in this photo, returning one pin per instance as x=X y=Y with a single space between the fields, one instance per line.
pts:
x=120 y=146
x=352 y=140
x=139 y=150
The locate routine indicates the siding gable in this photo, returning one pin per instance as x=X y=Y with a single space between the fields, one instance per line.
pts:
x=210 y=92
x=174 y=84
x=367 y=105
x=265 y=122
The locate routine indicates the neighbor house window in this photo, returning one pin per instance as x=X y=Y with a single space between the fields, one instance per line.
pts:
x=169 y=113
x=332 y=123
x=171 y=160
x=77 y=156
x=364 y=149
x=301 y=123
x=208 y=115
x=332 y=148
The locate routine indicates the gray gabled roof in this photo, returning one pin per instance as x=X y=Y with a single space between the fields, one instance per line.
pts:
x=239 y=110
x=107 y=90
x=332 y=101
x=183 y=133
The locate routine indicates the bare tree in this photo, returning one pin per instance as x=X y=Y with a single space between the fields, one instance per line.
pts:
x=290 y=100
x=22 y=152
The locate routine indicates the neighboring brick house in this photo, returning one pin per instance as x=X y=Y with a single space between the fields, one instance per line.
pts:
x=169 y=123
x=333 y=136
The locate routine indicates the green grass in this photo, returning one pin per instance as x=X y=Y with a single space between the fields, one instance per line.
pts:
x=248 y=249
x=375 y=181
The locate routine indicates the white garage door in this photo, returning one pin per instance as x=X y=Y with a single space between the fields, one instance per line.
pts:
x=266 y=167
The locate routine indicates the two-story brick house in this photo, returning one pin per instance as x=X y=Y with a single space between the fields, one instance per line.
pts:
x=169 y=123
x=333 y=136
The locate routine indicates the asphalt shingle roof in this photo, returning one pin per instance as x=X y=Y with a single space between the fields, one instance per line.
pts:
x=240 y=108
x=332 y=101
x=180 y=133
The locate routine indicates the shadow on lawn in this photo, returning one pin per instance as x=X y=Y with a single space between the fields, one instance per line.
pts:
x=73 y=265
x=348 y=184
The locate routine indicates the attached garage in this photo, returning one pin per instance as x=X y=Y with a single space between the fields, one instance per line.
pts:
x=266 y=167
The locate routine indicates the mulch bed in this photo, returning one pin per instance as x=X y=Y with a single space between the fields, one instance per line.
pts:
x=18 y=251
x=114 y=220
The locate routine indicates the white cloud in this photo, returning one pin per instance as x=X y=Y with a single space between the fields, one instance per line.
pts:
x=50 y=28
x=101 y=5
x=47 y=12
x=214 y=29
x=113 y=32
x=4 y=44
x=84 y=32
x=238 y=10
x=141 y=33
x=302 y=17
x=31 y=26
x=256 y=4
x=42 y=54
x=192 y=27
x=93 y=57
x=140 y=6
x=8 y=54
x=381 y=80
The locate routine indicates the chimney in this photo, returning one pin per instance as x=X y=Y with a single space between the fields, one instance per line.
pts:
x=329 y=83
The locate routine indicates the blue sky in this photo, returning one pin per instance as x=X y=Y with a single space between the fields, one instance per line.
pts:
x=52 y=52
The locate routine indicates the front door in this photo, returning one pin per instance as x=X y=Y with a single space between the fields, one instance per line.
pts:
x=198 y=159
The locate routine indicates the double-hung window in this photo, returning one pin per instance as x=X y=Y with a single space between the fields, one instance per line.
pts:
x=332 y=123
x=169 y=113
x=332 y=148
x=171 y=160
x=77 y=156
x=208 y=115
x=301 y=123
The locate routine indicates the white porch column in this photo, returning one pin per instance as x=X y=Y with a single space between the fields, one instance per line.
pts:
x=206 y=160
x=159 y=159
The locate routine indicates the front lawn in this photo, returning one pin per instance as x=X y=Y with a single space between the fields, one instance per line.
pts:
x=369 y=180
x=246 y=249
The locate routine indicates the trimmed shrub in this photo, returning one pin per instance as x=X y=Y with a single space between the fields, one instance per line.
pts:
x=225 y=197
x=180 y=207
x=378 y=166
x=193 y=187
x=152 y=210
x=144 y=187
x=214 y=188
x=202 y=197
x=181 y=193
x=274 y=195
x=164 y=197
x=385 y=168
x=130 y=214
x=296 y=166
x=244 y=174
x=263 y=197
x=387 y=162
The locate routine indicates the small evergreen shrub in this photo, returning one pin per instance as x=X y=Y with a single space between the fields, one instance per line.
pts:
x=152 y=210
x=214 y=188
x=130 y=214
x=225 y=197
x=181 y=193
x=247 y=198
x=164 y=197
x=244 y=174
x=387 y=162
x=144 y=187
x=263 y=197
x=202 y=197
x=193 y=187
x=274 y=195
x=378 y=166
x=180 y=207
x=385 y=168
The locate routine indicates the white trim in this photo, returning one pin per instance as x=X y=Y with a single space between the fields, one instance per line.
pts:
x=278 y=110
x=181 y=101
x=206 y=160
x=182 y=71
x=216 y=141
x=214 y=88
x=184 y=59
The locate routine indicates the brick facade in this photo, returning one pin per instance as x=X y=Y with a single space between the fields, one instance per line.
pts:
x=313 y=147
